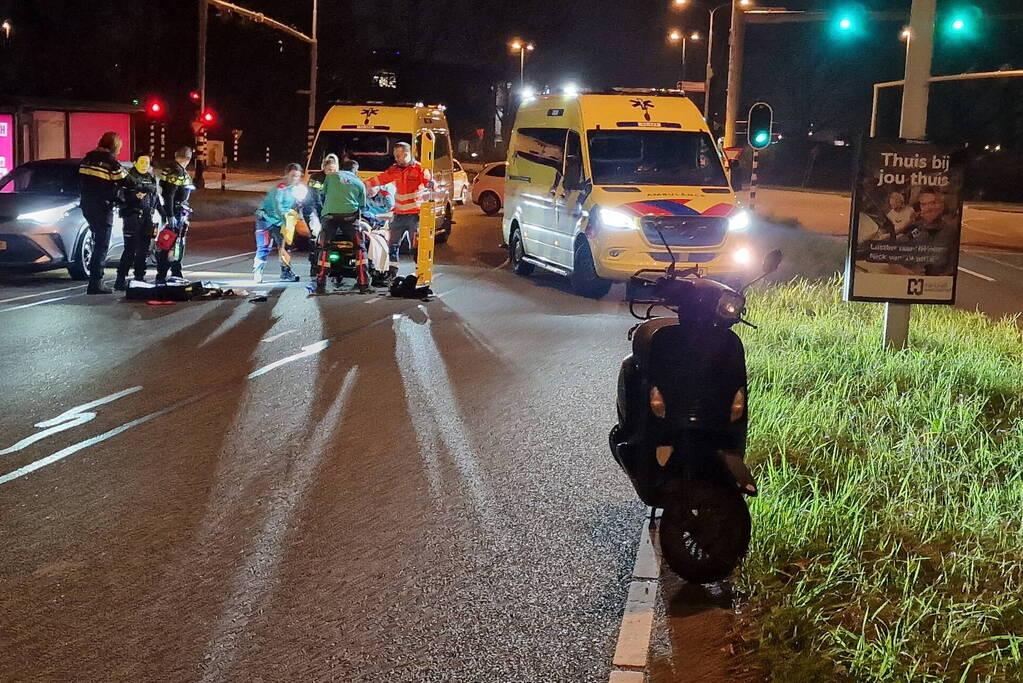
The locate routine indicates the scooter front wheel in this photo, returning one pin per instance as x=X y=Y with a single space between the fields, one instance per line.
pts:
x=705 y=535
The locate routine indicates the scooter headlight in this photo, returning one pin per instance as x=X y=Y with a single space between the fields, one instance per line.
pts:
x=738 y=405
x=730 y=307
x=619 y=220
x=738 y=221
x=657 y=405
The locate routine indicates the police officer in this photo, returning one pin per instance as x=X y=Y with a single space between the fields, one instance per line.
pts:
x=141 y=198
x=175 y=187
x=101 y=179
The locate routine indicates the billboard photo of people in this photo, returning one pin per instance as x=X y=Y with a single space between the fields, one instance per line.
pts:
x=906 y=221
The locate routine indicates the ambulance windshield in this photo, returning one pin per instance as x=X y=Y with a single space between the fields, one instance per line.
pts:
x=646 y=157
x=374 y=151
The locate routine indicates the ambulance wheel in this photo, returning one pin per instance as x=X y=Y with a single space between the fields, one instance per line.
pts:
x=584 y=278
x=490 y=203
x=445 y=228
x=78 y=264
x=517 y=253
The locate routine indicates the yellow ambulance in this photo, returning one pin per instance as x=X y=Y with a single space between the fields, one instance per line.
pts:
x=367 y=133
x=601 y=185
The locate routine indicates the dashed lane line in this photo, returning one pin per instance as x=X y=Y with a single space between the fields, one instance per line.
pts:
x=976 y=274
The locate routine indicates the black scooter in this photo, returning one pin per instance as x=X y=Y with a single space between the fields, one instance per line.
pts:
x=682 y=418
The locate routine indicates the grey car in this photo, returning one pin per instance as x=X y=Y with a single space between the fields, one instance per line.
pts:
x=41 y=223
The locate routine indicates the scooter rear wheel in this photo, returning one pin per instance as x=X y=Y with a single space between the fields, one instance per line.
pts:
x=706 y=534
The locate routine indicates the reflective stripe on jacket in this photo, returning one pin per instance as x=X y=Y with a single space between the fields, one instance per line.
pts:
x=410 y=181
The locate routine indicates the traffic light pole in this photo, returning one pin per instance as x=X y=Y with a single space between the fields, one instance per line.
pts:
x=913 y=126
x=200 y=137
x=737 y=36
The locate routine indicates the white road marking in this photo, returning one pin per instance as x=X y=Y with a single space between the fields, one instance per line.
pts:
x=278 y=336
x=81 y=445
x=69 y=418
x=257 y=576
x=373 y=300
x=310 y=350
x=995 y=260
x=637 y=624
x=638 y=621
x=648 y=560
x=38 y=303
x=975 y=274
x=32 y=296
x=217 y=260
x=68 y=289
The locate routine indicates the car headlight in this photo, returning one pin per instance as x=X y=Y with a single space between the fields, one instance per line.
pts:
x=610 y=218
x=739 y=220
x=47 y=215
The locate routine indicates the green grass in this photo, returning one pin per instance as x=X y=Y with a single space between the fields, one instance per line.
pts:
x=887 y=542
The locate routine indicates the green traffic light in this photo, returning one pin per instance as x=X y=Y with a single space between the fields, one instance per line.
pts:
x=958 y=25
x=761 y=138
x=845 y=23
x=136 y=102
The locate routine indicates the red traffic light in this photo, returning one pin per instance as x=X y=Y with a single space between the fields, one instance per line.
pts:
x=208 y=117
x=194 y=96
x=154 y=108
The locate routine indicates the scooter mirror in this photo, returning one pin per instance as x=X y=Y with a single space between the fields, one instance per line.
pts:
x=772 y=261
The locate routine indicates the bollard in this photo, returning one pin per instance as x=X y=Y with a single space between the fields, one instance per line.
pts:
x=163 y=141
x=223 y=178
x=268 y=155
x=152 y=139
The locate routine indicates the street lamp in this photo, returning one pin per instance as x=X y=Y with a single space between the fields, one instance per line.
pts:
x=676 y=36
x=709 y=74
x=906 y=36
x=522 y=48
x=7 y=27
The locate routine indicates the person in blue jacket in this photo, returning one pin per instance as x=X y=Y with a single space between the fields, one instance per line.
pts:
x=271 y=218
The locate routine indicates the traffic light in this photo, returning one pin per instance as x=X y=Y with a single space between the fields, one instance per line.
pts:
x=154 y=108
x=962 y=23
x=136 y=102
x=848 y=21
x=208 y=117
x=194 y=96
x=758 y=125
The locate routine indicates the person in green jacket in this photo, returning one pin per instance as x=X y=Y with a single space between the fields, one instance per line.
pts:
x=343 y=198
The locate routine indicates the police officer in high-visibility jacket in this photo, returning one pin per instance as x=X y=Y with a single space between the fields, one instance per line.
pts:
x=141 y=199
x=411 y=181
x=175 y=187
x=101 y=179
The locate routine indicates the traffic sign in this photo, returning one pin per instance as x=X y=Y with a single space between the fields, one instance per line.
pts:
x=732 y=153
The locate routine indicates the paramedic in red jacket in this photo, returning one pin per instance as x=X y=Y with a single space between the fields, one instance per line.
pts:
x=412 y=182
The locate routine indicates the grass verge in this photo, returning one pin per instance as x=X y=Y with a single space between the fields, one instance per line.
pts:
x=887 y=540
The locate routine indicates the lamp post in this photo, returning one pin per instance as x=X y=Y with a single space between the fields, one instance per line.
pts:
x=522 y=48
x=709 y=74
x=677 y=36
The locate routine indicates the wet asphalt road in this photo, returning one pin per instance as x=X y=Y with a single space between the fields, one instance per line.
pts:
x=337 y=488
x=343 y=488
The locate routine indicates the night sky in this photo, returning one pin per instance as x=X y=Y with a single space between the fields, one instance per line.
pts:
x=114 y=50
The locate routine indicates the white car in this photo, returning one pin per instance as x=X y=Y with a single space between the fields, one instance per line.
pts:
x=488 y=188
x=459 y=183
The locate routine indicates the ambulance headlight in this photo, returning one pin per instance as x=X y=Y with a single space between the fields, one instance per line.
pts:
x=619 y=220
x=739 y=220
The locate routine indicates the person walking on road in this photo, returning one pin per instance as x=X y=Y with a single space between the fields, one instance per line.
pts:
x=343 y=199
x=271 y=218
x=141 y=198
x=411 y=181
x=175 y=187
x=101 y=178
